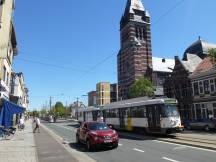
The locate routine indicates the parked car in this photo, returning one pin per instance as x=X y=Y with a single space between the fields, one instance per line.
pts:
x=203 y=124
x=96 y=134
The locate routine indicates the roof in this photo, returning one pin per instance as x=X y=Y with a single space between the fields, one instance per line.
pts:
x=162 y=64
x=135 y=102
x=192 y=62
x=200 y=48
x=204 y=66
x=134 y=5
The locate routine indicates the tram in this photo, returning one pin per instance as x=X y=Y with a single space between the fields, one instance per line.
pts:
x=149 y=115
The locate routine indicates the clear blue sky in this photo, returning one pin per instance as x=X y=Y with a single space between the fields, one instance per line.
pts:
x=59 y=41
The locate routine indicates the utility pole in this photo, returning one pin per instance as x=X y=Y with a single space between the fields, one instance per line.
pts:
x=46 y=105
x=50 y=103
x=77 y=104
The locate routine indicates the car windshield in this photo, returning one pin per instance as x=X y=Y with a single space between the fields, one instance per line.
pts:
x=98 y=126
x=169 y=111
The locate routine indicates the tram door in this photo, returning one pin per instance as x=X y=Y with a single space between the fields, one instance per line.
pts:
x=122 y=118
x=153 y=112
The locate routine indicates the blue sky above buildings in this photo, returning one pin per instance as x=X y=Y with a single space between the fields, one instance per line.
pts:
x=67 y=46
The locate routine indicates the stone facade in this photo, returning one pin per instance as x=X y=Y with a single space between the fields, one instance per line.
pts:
x=135 y=55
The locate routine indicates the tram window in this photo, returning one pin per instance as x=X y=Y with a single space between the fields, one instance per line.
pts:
x=127 y=113
x=113 y=113
x=169 y=110
x=138 y=112
x=133 y=112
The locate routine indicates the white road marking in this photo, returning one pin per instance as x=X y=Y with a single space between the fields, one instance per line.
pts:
x=135 y=149
x=185 y=146
x=120 y=144
x=165 y=158
x=179 y=147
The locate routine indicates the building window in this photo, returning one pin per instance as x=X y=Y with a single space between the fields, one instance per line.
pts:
x=137 y=35
x=206 y=86
x=215 y=82
x=4 y=73
x=198 y=111
x=144 y=33
x=7 y=79
x=140 y=33
x=201 y=87
x=214 y=110
x=212 y=86
x=204 y=111
x=196 y=88
x=1 y=6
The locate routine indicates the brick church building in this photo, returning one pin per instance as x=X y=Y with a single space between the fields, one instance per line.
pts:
x=135 y=55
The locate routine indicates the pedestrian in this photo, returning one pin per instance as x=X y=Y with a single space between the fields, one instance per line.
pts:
x=37 y=127
x=21 y=125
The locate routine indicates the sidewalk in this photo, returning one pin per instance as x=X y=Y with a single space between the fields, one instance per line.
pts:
x=50 y=150
x=21 y=148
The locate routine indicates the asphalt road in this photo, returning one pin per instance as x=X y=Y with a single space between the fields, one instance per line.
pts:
x=134 y=149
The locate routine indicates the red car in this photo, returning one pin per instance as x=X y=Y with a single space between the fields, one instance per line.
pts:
x=95 y=134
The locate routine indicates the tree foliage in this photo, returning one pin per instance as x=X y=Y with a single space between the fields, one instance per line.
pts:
x=59 y=109
x=142 y=87
x=212 y=54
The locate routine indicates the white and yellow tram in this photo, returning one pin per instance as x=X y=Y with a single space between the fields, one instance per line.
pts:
x=139 y=114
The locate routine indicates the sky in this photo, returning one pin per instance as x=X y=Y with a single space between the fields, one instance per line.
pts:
x=66 y=47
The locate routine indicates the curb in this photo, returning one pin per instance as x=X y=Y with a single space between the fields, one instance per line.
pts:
x=78 y=156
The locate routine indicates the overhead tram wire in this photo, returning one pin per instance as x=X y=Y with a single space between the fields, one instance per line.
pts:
x=96 y=65
x=168 y=12
x=51 y=65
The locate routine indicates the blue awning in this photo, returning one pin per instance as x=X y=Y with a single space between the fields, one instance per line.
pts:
x=7 y=111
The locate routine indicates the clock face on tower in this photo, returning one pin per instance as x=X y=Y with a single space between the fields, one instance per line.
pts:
x=137 y=6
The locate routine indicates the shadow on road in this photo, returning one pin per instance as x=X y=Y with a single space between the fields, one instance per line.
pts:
x=75 y=125
x=82 y=148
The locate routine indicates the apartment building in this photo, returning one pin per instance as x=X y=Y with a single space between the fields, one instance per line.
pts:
x=8 y=46
x=19 y=93
x=103 y=93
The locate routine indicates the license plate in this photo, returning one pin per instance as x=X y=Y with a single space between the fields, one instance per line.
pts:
x=107 y=141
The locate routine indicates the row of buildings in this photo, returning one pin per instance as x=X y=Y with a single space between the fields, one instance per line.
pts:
x=191 y=80
x=12 y=85
x=105 y=93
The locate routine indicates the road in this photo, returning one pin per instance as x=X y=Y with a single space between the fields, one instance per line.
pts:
x=134 y=149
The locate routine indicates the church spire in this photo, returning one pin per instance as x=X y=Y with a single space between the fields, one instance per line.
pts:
x=134 y=5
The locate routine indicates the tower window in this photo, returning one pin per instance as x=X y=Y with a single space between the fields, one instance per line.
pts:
x=140 y=33
x=137 y=33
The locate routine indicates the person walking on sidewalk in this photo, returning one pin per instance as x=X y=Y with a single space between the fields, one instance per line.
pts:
x=37 y=127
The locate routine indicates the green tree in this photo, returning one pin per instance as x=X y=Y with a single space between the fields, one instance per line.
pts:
x=212 y=54
x=59 y=109
x=141 y=87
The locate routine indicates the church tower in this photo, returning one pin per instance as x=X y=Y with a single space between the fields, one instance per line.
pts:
x=135 y=55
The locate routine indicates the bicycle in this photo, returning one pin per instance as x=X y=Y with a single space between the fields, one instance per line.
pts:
x=7 y=133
